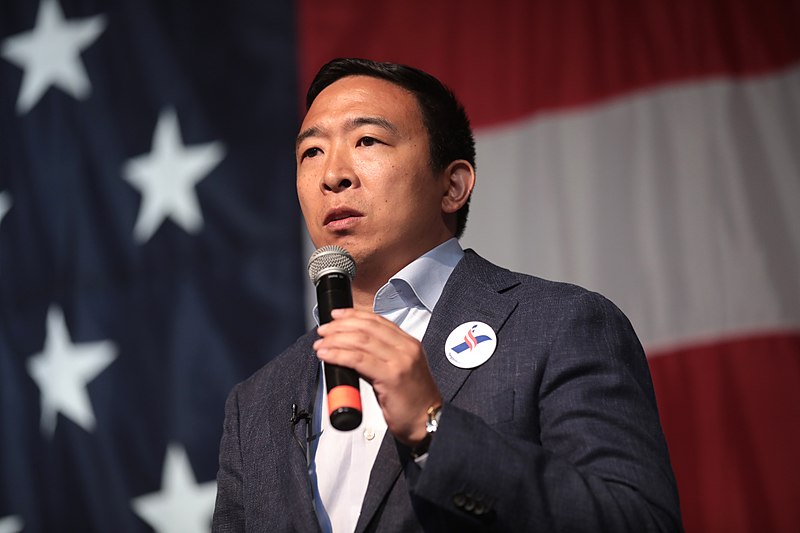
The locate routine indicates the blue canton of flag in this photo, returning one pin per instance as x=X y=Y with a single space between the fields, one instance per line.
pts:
x=150 y=252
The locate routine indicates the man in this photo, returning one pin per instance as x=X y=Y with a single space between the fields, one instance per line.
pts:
x=493 y=400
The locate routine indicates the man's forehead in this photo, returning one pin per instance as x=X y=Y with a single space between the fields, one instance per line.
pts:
x=361 y=100
x=364 y=91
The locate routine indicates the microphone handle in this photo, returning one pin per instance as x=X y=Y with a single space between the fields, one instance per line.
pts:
x=344 y=398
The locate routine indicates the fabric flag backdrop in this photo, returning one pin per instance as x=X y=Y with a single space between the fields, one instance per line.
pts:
x=150 y=250
x=649 y=151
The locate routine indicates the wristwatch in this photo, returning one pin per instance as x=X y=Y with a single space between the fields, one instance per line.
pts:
x=434 y=414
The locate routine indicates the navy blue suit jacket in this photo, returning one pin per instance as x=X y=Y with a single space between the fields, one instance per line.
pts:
x=557 y=431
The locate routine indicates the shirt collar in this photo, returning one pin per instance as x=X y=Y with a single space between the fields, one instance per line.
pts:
x=420 y=282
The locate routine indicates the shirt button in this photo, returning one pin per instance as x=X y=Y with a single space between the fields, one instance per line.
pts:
x=369 y=434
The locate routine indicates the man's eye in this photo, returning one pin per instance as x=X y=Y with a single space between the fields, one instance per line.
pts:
x=311 y=152
x=367 y=141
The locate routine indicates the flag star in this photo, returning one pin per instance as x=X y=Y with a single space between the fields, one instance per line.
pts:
x=11 y=524
x=50 y=54
x=63 y=370
x=182 y=504
x=5 y=204
x=167 y=176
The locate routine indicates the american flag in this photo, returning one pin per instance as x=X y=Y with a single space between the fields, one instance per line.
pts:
x=151 y=252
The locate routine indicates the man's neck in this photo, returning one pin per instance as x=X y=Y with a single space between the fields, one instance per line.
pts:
x=367 y=283
x=363 y=300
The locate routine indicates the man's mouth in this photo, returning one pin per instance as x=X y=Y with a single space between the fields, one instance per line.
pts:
x=340 y=217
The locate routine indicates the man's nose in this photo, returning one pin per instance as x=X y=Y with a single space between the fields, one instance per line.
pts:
x=339 y=174
x=336 y=183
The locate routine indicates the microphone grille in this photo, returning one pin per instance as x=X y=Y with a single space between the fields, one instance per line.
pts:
x=330 y=259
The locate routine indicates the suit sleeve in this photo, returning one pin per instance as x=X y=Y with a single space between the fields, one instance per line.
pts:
x=229 y=508
x=595 y=460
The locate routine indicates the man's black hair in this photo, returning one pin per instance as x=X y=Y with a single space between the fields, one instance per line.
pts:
x=449 y=133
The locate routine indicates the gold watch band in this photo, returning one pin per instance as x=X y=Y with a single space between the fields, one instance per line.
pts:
x=434 y=413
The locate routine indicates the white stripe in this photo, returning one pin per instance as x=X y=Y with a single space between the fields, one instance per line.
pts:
x=681 y=204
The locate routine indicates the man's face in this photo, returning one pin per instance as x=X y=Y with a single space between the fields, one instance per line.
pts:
x=363 y=175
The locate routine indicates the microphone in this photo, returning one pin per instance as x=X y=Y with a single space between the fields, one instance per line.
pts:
x=331 y=270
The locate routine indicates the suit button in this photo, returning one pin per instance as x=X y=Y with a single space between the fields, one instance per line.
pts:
x=480 y=509
x=459 y=499
x=469 y=505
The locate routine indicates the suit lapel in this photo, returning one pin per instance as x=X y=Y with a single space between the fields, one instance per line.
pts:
x=384 y=473
x=471 y=294
x=465 y=300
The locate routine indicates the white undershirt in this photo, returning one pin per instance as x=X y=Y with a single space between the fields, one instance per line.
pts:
x=342 y=460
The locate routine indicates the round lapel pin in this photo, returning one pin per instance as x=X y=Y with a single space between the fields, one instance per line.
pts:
x=470 y=345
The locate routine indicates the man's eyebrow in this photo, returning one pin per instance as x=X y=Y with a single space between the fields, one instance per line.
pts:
x=372 y=121
x=305 y=134
x=349 y=126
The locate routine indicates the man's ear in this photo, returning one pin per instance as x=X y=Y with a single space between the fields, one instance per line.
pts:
x=460 y=178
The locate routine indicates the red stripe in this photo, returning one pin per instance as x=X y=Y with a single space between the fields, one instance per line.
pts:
x=731 y=414
x=510 y=59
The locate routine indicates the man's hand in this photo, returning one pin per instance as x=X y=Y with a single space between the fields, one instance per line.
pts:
x=391 y=360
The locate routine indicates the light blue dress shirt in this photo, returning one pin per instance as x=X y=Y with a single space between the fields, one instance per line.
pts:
x=342 y=460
